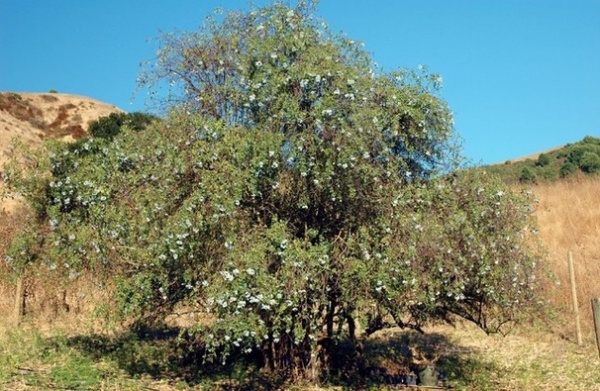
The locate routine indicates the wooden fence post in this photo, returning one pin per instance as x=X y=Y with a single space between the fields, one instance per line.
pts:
x=596 y=312
x=19 y=302
x=575 y=302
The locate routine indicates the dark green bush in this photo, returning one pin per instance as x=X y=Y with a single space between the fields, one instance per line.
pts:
x=527 y=176
x=577 y=151
x=567 y=169
x=590 y=163
x=543 y=160
x=110 y=126
x=591 y=140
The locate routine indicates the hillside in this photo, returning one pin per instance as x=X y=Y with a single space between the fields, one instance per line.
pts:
x=579 y=158
x=33 y=117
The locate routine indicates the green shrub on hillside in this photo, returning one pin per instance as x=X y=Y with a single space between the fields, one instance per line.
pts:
x=591 y=140
x=568 y=169
x=543 y=160
x=577 y=151
x=590 y=162
x=527 y=176
x=109 y=126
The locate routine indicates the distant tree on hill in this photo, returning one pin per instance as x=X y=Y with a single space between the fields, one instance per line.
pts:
x=590 y=162
x=577 y=151
x=527 y=176
x=591 y=140
x=109 y=126
x=543 y=160
x=568 y=169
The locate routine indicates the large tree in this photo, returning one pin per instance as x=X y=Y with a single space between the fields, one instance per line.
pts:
x=294 y=191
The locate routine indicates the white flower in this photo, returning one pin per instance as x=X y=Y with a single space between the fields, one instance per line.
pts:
x=250 y=271
x=350 y=82
x=258 y=64
x=227 y=276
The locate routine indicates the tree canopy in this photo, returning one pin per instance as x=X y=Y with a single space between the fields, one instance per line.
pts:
x=294 y=197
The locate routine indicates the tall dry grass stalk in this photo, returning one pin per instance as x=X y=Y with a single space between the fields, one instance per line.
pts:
x=569 y=221
x=49 y=299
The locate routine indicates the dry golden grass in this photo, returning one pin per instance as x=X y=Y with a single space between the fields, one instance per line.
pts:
x=569 y=221
x=528 y=359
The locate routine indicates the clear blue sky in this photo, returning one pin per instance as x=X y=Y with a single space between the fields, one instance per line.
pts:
x=521 y=75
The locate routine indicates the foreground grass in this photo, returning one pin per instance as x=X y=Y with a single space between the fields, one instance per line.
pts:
x=529 y=359
x=30 y=361
x=469 y=359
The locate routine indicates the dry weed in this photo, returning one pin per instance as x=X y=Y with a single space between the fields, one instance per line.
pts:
x=569 y=221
